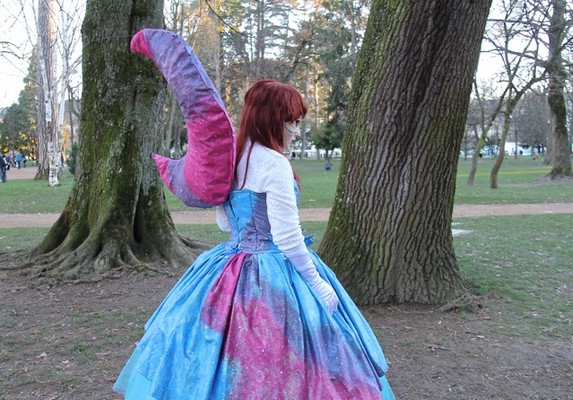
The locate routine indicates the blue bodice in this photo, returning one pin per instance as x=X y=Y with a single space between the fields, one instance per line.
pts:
x=247 y=214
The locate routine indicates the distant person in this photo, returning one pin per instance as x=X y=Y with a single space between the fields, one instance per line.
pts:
x=328 y=165
x=19 y=160
x=4 y=166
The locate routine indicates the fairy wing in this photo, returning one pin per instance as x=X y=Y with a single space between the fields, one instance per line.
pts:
x=203 y=177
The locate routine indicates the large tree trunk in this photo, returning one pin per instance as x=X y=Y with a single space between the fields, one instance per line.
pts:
x=116 y=215
x=389 y=236
x=561 y=161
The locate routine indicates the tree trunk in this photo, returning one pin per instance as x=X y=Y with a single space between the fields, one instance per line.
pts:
x=48 y=155
x=172 y=118
x=561 y=161
x=509 y=107
x=389 y=234
x=473 y=168
x=485 y=127
x=116 y=215
x=71 y=113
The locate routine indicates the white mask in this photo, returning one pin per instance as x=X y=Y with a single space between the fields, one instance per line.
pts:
x=292 y=128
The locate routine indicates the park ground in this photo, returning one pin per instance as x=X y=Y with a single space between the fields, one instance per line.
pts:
x=70 y=342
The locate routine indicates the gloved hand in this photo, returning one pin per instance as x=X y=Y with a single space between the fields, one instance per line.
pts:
x=326 y=294
x=301 y=260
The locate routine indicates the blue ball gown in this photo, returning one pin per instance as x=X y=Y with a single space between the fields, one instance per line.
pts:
x=242 y=324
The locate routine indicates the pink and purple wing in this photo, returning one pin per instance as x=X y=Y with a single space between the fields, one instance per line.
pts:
x=203 y=177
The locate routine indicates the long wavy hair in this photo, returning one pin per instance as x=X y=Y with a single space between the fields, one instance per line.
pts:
x=268 y=105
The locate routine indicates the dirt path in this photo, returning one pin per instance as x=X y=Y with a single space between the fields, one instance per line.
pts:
x=307 y=214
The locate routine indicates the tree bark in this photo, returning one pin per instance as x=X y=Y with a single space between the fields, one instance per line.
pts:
x=475 y=157
x=561 y=161
x=389 y=234
x=116 y=215
x=509 y=107
x=48 y=155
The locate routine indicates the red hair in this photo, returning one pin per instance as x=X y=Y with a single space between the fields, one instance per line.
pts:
x=268 y=105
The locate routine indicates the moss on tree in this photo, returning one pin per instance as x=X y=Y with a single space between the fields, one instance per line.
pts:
x=116 y=217
x=389 y=237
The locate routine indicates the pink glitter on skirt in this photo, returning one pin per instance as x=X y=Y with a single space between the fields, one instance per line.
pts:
x=243 y=324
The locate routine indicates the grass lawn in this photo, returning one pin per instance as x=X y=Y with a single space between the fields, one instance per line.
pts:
x=520 y=181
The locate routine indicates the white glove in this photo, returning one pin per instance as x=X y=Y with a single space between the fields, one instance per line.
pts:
x=326 y=294
x=301 y=260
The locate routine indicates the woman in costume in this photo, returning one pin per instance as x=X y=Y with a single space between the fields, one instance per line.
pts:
x=260 y=316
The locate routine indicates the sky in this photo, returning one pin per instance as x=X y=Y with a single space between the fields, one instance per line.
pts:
x=12 y=69
x=11 y=76
x=17 y=20
x=13 y=29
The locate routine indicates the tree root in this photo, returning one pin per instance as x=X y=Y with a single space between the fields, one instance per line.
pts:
x=466 y=302
x=11 y=261
x=103 y=254
x=103 y=258
x=554 y=178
